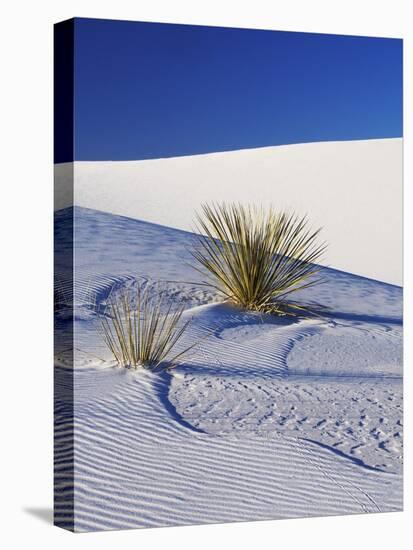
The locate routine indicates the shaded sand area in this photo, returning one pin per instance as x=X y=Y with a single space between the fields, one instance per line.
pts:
x=268 y=418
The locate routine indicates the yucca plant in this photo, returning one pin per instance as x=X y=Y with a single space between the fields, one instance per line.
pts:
x=256 y=258
x=144 y=331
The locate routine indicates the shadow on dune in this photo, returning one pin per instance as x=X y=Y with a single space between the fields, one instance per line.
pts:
x=161 y=388
x=355 y=317
x=122 y=247
x=339 y=453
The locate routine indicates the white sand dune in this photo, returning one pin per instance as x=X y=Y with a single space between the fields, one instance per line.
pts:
x=269 y=418
x=353 y=189
x=138 y=466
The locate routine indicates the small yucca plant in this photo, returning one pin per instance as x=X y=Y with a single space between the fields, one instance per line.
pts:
x=256 y=259
x=143 y=331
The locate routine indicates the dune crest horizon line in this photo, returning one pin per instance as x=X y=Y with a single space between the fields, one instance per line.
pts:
x=225 y=151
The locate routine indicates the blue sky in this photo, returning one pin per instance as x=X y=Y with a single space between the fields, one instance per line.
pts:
x=147 y=90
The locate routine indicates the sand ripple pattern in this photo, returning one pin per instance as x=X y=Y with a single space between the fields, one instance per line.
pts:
x=138 y=465
x=131 y=450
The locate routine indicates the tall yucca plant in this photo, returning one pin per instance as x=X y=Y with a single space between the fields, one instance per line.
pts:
x=256 y=258
x=143 y=331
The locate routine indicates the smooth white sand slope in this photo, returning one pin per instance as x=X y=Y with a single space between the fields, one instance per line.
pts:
x=353 y=189
x=268 y=418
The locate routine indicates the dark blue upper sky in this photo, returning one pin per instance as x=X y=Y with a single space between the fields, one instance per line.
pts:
x=148 y=90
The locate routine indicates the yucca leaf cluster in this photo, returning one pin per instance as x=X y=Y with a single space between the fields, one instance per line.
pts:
x=143 y=330
x=256 y=258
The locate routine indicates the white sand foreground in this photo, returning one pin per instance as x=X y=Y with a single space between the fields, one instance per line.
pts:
x=269 y=418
